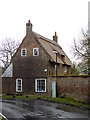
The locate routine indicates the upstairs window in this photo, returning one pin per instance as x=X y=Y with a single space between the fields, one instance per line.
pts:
x=63 y=58
x=35 y=51
x=23 y=52
x=65 y=69
x=18 y=85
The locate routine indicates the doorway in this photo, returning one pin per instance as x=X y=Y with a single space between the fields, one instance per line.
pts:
x=53 y=89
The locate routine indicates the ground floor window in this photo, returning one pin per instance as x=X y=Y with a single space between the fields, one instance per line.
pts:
x=19 y=85
x=40 y=85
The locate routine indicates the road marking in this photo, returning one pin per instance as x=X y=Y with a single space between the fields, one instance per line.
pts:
x=3 y=116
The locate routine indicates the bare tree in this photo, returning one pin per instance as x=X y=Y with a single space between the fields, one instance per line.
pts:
x=7 y=50
x=74 y=69
x=82 y=52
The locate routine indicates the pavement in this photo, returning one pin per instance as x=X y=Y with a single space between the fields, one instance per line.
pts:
x=38 y=109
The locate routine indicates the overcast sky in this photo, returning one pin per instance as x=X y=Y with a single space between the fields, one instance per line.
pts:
x=66 y=17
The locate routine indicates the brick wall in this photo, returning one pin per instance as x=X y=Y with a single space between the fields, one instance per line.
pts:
x=74 y=87
x=8 y=85
x=28 y=86
x=30 y=66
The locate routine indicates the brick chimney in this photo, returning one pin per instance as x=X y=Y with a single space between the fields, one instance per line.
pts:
x=28 y=27
x=55 y=38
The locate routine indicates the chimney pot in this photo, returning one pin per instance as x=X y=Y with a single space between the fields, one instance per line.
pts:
x=55 y=34
x=28 y=21
x=28 y=27
x=55 y=38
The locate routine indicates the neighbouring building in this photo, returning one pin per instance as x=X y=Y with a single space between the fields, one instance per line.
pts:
x=36 y=59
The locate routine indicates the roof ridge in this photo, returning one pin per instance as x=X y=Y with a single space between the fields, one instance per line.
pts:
x=47 y=39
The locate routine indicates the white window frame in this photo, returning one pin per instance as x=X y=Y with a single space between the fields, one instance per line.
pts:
x=22 y=52
x=17 y=85
x=37 y=50
x=36 y=85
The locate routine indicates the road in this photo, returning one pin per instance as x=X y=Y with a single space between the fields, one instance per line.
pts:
x=14 y=109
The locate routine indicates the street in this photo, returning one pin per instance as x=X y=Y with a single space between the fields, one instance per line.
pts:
x=14 y=109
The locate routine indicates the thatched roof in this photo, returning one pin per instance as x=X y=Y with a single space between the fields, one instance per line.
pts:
x=50 y=46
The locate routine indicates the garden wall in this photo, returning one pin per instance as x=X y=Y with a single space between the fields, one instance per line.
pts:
x=74 y=87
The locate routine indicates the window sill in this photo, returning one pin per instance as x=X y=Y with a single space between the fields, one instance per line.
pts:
x=40 y=91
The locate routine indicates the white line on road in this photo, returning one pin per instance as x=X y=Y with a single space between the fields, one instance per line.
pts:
x=3 y=116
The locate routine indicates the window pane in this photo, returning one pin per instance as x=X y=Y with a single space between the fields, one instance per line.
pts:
x=43 y=88
x=35 y=51
x=23 y=52
x=18 y=85
x=39 y=88
x=19 y=89
x=19 y=81
x=65 y=69
x=41 y=85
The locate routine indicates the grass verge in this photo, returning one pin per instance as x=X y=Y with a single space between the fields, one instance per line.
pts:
x=64 y=100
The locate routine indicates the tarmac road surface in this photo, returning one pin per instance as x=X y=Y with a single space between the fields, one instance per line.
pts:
x=14 y=109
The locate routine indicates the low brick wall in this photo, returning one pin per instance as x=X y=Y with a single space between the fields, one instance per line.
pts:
x=8 y=85
x=74 y=87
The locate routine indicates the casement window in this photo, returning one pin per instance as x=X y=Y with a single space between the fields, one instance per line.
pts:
x=65 y=69
x=62 y=57
x=40 y=85
x=23 y=52
x=19 y=85
x=35 y=51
